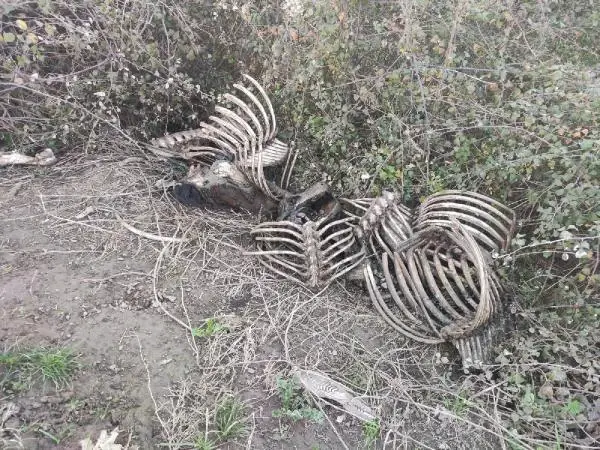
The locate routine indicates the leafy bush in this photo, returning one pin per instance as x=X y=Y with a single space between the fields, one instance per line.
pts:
x=78 y=71
x=551 y=376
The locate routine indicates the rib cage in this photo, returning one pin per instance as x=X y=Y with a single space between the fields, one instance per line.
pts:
x=244 y=133
x=440 y=287
x=489 y=221
x=438 y=283
x=313 y=253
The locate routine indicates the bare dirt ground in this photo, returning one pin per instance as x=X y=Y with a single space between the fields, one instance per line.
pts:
x=73 y=274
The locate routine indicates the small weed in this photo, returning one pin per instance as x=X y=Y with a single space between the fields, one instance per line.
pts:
x=459 y=405
x=59 y=436
x=204 y=443
x=75 y=404
x=209 y=328
x=230 y=419
x=56 y=366
x=21 y=369
x=371 y=431
x=294 y=406
x=55 y=440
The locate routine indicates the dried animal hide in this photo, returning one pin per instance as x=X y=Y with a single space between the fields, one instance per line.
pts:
x=311 y=253
x=222 y=184
x=243 y=134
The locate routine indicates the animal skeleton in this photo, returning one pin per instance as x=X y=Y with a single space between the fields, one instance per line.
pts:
x=436 y=260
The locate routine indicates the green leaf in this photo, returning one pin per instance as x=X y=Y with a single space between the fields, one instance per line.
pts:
x=21 y=24
x=8 y=37
x=49 y=29
x=586 y=144
x=209 y=328
x=573 y=408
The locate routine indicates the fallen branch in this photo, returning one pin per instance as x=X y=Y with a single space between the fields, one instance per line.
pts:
x=146 y=235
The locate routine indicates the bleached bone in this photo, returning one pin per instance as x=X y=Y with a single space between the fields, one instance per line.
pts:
x=476 y=351
x=312 y=253
x=489 y=221
x=382 y=222
x=440 y=286
x=44 y=158
x=243 y=134
x=324 y=387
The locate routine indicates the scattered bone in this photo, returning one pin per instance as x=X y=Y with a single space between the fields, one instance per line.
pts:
x=105 y=441
x=324 y=387
x=44 y=158
x=86 y=212
x=147 y=235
